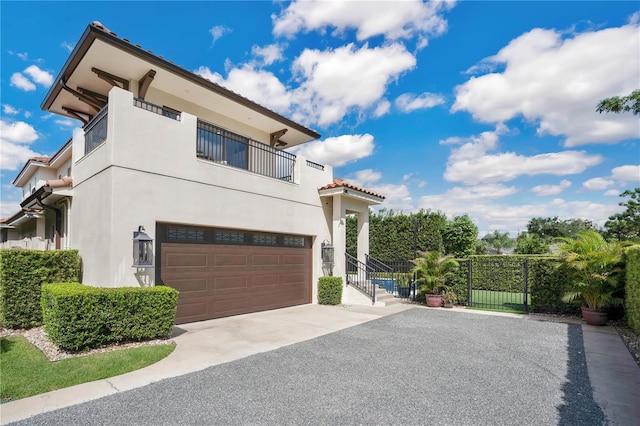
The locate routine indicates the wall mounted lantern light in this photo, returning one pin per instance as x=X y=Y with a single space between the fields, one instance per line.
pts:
x=327 y=257
x=142 y=249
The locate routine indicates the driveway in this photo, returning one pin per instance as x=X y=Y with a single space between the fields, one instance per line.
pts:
x=419 y=366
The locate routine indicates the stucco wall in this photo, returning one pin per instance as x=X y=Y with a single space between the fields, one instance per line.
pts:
x=147 y=172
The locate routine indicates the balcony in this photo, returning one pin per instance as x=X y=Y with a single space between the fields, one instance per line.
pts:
x=222 y=146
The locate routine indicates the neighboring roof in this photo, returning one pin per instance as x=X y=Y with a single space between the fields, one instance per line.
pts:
x=96 y=49
x=34 y=162
x=340 y=183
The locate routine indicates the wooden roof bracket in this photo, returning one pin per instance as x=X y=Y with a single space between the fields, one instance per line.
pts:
x=79 y=115
x=144 y=83
x=113 y=80
x=84 y=98
x=98 y=97
x=274 y=139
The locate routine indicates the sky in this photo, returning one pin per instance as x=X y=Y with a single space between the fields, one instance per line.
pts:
x=471 y=107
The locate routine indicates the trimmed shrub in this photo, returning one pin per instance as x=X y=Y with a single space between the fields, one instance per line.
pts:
x=79 y=317
x=22 y=273
x=330 y=290
x=632 y=288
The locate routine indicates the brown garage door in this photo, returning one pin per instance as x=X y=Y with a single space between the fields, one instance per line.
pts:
x=218 y=280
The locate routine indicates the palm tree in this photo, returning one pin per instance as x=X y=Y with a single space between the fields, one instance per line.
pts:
x=593 y=265
x=433 y=271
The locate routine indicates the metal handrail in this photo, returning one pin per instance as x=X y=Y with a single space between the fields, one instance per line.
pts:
x=360 y=276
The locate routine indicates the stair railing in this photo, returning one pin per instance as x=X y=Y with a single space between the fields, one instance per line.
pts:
x=360 y=276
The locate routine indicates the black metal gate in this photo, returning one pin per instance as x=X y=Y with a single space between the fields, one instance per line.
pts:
x=498 y=283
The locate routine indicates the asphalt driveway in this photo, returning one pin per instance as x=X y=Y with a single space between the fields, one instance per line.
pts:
x=420 y=366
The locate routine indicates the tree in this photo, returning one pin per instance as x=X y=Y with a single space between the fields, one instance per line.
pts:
x=527 y=243
x=459 y=237
x=626 y=225
x=550 y=228
x=619 y=104
x=499 y=241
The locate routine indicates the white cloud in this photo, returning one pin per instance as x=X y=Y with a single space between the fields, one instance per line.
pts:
x=9 y=208
x=217 y=32
x=260 y=86
x=626 y=173
x=337 y=151
x=334 y=82
x=14 y=138
x=597 y=184
x=408 y=102
x=393 y=20
x=21 y=82
x=547 y=190
x=612 y=193
x=471 y=164
x=268 y=54
x=67 y=46
x=36 y=75
x=65 y=123
x=398 y=197
x=382 y=108
x=8 y=109
x=39 y=76
x=556 y=82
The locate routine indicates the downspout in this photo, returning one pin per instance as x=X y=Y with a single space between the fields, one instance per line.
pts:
x=58 y=224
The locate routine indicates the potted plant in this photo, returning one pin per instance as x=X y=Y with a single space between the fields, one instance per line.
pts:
x=449 y=298
x=404 y=285
x=433 y=271
x=592 y=264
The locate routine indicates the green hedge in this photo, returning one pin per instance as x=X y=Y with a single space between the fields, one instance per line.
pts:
x=632 y=288
x=548 y=283
x=330 y=290
x=22 y=273
x=79 y=317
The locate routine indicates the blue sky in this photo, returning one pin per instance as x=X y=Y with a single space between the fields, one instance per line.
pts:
x=483 y=108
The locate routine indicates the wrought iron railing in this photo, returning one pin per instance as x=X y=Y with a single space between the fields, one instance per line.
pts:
x=315 y=165
x=164 y=111
x=95 y=132
x=214 y=143
x=360 y=276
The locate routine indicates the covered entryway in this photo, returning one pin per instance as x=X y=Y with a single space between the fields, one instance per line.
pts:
x=222 y=272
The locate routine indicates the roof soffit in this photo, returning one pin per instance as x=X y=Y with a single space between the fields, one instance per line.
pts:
x=104 y=51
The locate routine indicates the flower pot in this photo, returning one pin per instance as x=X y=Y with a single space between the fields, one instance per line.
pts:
x=594 y=316
x=434 y=300
x=447 y=305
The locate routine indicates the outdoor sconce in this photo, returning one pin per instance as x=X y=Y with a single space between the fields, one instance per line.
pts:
x=142 y=249
x=327 y=257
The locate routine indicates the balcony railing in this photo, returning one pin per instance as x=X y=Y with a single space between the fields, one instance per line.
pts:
x=148 y=106
x=222 y=146
x=95 y=131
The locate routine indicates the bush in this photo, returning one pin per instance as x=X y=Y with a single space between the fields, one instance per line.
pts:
x=22 y=273
x=330 y=290
x=79 y=317
x=632 y=288
x=548 y=283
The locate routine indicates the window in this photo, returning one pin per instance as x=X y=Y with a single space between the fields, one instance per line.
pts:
x=265 y=240
x=230 y=237
x=292 y=241
x=175 y=233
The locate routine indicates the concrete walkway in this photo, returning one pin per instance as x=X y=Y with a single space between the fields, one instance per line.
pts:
x=614 y=375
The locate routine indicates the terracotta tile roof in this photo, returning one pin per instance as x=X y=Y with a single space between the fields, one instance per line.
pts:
x=340 y=183
x=40 y=159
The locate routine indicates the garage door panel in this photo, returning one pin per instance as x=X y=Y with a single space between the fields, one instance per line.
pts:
x=230 y=260
x=260 y=281
x=189 y=285
x=259 y=260
x=237 y=282
x=186 y=260
x=217 y=280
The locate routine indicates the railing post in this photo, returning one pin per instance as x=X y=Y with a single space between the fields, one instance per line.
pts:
x=525 y=296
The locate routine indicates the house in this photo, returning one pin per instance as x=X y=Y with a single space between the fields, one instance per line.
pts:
x=237 y=222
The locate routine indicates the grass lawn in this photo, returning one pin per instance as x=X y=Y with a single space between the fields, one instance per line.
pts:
x=25 y=371
x=497 y=301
